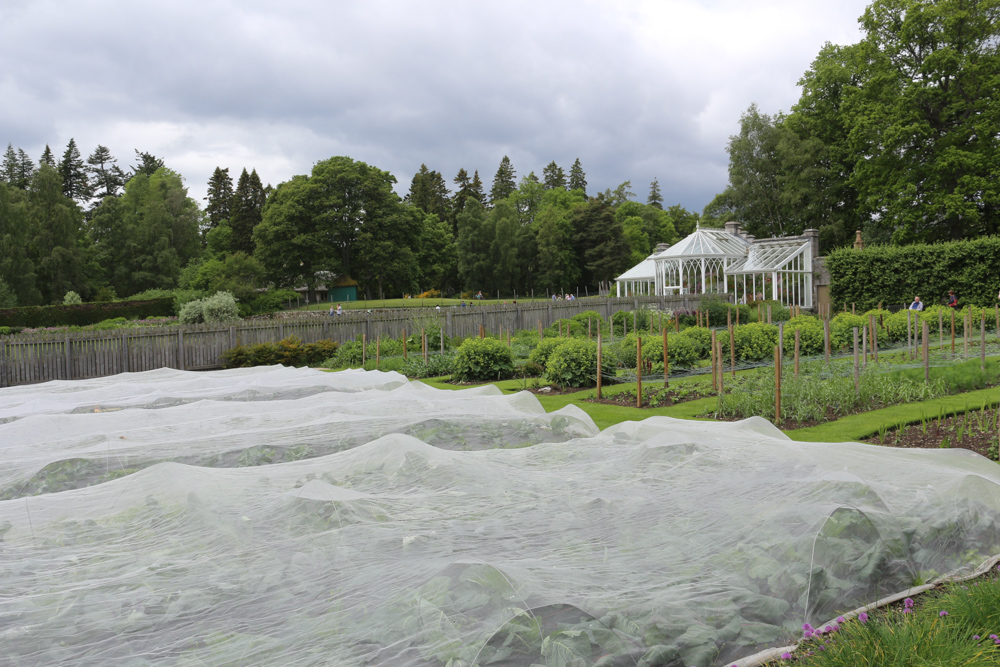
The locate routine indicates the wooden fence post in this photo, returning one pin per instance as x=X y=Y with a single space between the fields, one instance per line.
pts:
x=666 y=362
x=797 y=335
x=781 y=340
x=864 y=346
x=982 y=341
x=3 y=363
x=714 y=362
x=721 y=369
x=180 y=348
x=732 y=350
x=953 y=331
x=826 y=339
x=69 y=359
x=404 y=344
x=378 y=350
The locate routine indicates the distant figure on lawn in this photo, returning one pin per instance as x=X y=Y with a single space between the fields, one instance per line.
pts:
x=916 y=305
x=331 y=310
x=952 y=299
x=340 y=311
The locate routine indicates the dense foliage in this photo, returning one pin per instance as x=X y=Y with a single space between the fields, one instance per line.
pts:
x=573 y=364
x=483 y=359
x=896 y=135
x=289 y=352
x=83 y=314
x=893 y=274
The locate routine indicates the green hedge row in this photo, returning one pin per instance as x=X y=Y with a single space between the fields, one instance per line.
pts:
x=82 y=314
x=895 y=274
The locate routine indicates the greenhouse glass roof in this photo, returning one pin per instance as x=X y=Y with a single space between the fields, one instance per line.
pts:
x=707 y=243
x=766 y=257
x=644 y=270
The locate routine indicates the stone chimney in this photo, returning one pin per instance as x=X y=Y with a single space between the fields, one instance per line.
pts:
x=749 y=237
x=859 y=242
x=733 y=228
x=812 y=235
x=660 y=247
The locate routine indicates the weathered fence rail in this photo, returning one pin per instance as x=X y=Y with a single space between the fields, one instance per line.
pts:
x=40 y=357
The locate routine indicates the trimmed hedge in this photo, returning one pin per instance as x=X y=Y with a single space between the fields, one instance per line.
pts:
x=82 y=314
x=895 y=274
x=288 y=351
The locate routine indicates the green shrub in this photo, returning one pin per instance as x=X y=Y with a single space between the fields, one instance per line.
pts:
x=755 y=341
x=540 y=355
x=684 y=352
x=192 y=312
x=719 y=309
x=84 y=314
x=288 y=351
x=436 y=365
x=573 y=364
x=221 y=307
x=593 y=317
x=810 y=335
x=71 y=298
x=483 y=359
x=634 y=319
x=530 y=369
x=702 y=338
x=842 y=331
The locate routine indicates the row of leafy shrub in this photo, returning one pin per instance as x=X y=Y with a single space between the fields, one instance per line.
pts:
x=82 y=314
x=895 y=274
x=288 y=351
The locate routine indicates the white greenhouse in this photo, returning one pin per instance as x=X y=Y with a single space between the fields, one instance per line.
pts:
x=715 y=261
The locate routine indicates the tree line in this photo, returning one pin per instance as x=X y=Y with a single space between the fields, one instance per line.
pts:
x=897 y=135
x=105 y=232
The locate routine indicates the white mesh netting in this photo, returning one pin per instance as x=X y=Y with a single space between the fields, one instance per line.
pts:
x=294 y=517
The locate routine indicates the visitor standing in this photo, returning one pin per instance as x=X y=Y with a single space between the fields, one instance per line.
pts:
x=916 y=305
x=340 y=311
x=952 y=299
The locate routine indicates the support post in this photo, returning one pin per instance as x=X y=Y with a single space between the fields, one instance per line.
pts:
x=798 y=333
x=927 y=355
x=982 y=341
x=732 y=350
x=69 y=359
x=599 y=367
x=404 y=344
x=378 y=350
x=953 y=331
x=857 y=377
x=638 y=372
x=777 y=386
x=721 y=370
x=826 y=339
x=180 y=349
x=364 y=349
x=666 y=362
x=715 y=369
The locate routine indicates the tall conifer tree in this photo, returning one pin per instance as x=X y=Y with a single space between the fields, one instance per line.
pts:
x=503 y=182
x=476 y=189
x=577 y=179
x=554 y=175
x=47 y=157
x=246 y=211
x=106 y=177
x=74 y=174
x=10 y=167
x=27 y=170
x=220 y=197
x=655 y=198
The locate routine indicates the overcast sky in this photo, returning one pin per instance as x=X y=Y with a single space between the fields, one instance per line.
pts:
x=635 y=89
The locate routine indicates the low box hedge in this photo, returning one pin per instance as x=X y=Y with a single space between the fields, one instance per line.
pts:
x=82 y=314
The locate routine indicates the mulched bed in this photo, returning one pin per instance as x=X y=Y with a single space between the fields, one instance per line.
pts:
x=661 y=399
x=913 y=436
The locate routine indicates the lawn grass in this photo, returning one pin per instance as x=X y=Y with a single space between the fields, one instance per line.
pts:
x=956 y=625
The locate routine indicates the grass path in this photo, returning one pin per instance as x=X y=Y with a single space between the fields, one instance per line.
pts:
x=846 y=429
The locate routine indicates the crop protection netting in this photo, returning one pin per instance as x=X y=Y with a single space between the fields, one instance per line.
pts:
x=383 y=522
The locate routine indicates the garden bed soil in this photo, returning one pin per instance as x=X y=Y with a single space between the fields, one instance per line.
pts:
x=665 y=400
x=913 y=436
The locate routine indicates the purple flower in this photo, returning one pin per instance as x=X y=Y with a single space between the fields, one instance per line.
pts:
x=806 y=626
x=840 y=619
x=822 y=647
x=907 y=611
x=807 y=634
x=942 y=613
x=786 y=656
x=863 y=617
x=975 y=638
x=993 y=637
x=908 y=602
x=828 y=628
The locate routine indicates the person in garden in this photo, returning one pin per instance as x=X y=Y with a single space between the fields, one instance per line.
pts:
x=340 y=311
x=917 y=304
x=952 y=299
x=331 y=310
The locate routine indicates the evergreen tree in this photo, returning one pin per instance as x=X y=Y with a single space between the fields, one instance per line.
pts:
x=10 y=167
x=429 y=193
x=60 y=258
x=106 y=177
x=602 y=250
x=463 y=192
x=655 y=198
x=16 y=268
x=47 y=157
x=503 y=181
x=75 y=184
x=554 y=175
x=220 y=197
x=577 y=179
x=246 y=211
x=27 y=170
x=148 y=164
x=474 y=242
x=476 y=189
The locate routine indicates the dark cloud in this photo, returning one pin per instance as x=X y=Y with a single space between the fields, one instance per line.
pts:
x=636 y=90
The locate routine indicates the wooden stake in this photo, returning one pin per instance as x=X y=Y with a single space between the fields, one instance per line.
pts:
x=852 y=308
x=857 y=377
x=826 y=339
x=638 y=372
x=715 y=384
x=540 y=335
x=927 y=355
x=364 y=348
x=378 y=355
x=599 y=363
x=953 y=331
x=423 y=343
x=982 y=341
x=769 y=314
x=589 y=330
x=721 y=373
x=482 y=331
x=666 y=362
x=732 y=350
x=941 y=329
x=797 y=348
x=777 y=386
x=677 y=323
x=966 y=325
x=737 y=316
x=404 y=344
x=909 y=343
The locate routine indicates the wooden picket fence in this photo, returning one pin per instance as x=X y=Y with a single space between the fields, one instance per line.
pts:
x=45 y=356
